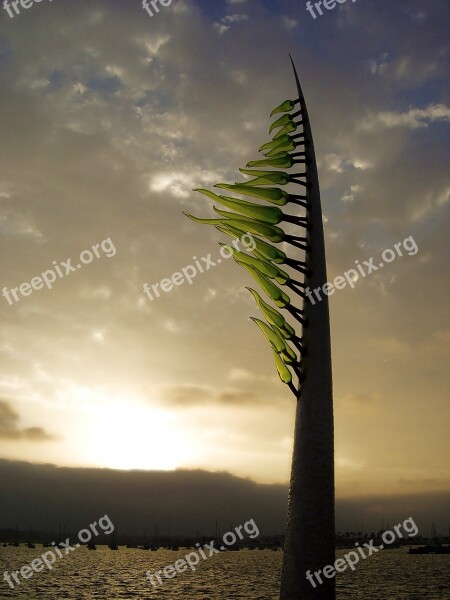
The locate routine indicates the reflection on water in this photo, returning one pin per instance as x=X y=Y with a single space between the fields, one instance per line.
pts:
x=246 y=575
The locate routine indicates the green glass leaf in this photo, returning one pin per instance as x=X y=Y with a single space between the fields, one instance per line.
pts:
x=281 y=122
x=285 y=147
x=268 y=214
x=245 y=222
x=243 y=225
x=283 y=160
x=266 y=268
x=271 y=232
x=273 y=195
x=226 y=228
x=285 y=139
x=274 y=339
x=285 y=106
x=292 y=357
x=269 y=252
x=287 y=359
x=283 y=372
x=276 y=273
x=266 y=177
x=203 y=221
x=235 y=216
x=289 y=128
x=262 y=266
x=262 y=181
x=287 y=331
x=265 y=251
x=263 y=173
x=273 y=291
x=272 y=315
x=273 y=347
x=277 y=341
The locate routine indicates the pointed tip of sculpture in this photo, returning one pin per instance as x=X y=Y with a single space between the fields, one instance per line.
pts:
x=294 y=68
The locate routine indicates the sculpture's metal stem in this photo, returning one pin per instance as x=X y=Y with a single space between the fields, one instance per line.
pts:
x=310 y=533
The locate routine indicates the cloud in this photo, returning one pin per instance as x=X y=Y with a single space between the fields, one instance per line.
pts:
x=180 y=184
x=185 y=500
x=238 y=398
x=364 y=403
x=227 y=21
x=390 y=347
x=193 y=395
x=289 y=23
x=243 y=375
x=9 y=429
x=413 y=118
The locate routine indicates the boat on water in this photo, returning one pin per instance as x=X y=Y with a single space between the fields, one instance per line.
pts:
x=430 y=549
x=435 y=547
x=113 y=545
x=151 y=547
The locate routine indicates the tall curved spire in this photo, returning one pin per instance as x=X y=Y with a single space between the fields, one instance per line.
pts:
x=299 y=338
x=310 y=533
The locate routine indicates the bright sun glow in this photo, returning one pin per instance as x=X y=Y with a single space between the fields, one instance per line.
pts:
x=130 y=436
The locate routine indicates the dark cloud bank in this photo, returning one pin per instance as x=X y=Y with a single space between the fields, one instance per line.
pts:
x=47 y=496
x=10 y=430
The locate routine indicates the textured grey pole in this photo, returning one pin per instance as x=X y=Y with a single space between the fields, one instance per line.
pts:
x=310 y=532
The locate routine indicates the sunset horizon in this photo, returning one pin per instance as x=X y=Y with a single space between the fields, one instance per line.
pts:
x=196 y=196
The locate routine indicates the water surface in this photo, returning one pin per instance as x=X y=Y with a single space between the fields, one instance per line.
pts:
x=245 y=575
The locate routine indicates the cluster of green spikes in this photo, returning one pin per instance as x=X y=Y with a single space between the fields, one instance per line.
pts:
x=262 y=222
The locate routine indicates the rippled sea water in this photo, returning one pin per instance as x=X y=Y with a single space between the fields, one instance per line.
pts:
x=246 y=575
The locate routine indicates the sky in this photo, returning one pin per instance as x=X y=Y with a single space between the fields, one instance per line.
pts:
x=109 y=119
